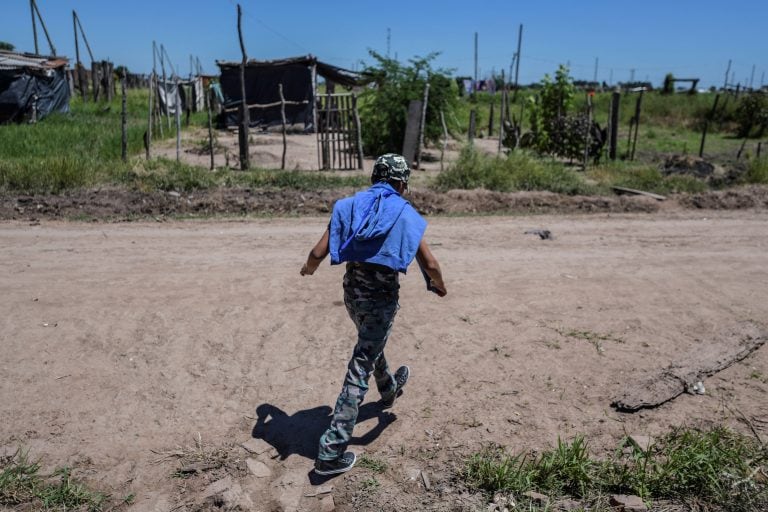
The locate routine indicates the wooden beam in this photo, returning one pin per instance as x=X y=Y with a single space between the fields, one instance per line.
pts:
x=242 y=134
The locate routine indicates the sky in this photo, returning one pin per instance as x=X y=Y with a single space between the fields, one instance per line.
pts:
x=645 y=40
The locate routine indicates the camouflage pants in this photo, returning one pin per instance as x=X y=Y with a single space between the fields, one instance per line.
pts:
x=373 y=319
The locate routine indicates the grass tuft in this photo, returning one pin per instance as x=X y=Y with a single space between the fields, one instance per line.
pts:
x=22 y=486
x=757 y=171
x=374 y=464
x=718 y=467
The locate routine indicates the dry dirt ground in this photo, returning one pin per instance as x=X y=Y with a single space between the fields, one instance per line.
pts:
x=135 y=352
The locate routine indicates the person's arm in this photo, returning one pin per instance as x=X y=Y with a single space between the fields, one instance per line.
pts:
x=316 y=255
x=429 y=265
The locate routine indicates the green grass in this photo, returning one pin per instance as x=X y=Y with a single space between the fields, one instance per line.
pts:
x=22 y=485
x=716 y=467
x=757 y=171
x=372 y=463
x=518 y=171
x=643 y=177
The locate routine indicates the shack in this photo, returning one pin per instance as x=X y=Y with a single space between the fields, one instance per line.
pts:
x=299 y=76
x=32 y=86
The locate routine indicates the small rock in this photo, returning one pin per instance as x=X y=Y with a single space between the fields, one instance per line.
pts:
x=568 y=505
x=258 y=468
x=642 y=442
x=327 y=504
x=218 y=487
x=257 y=446
x=425 y=480
x=541 y=499
x=627 y=503
x=173 y=193
x=324 y=489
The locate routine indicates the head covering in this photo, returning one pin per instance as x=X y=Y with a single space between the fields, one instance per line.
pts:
x=391 y=166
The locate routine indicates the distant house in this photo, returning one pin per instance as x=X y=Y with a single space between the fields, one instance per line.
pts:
x=299 y=76
x=32 y=86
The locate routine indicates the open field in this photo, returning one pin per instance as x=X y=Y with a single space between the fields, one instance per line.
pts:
x=132 y=352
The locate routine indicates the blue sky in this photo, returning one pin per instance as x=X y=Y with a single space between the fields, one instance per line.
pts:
x=687 y=38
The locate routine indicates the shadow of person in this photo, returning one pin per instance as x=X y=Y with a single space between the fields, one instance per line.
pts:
x=300 y=433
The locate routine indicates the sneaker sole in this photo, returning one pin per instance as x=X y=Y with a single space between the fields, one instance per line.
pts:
x=337 y=471
x=398 y=392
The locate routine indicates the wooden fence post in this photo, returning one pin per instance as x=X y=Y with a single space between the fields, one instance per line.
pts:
x=502 y=112
x=471 y=131
x=638 y=106
x=422 y=125
x=148 y=140
x=245 y=122
x=613 y=135
x=587 y=130
x=359 y=133
x=177 y=110
x=445 y=139
x=706 y=125
x=124 y=120
x=210 y=124
x=282 y=116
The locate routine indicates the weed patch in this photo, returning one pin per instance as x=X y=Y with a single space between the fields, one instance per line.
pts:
x=718 y=467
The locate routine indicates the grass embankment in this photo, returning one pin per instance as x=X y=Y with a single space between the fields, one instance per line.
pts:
x=717 y=469
x=22 y=486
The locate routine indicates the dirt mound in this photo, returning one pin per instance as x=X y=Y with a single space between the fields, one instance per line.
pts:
x=731 y=199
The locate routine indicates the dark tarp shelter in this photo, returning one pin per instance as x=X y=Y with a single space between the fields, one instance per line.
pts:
x=32 y=86
x=262 y=78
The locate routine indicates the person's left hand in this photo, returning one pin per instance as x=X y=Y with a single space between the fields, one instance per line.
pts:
x=305 y=271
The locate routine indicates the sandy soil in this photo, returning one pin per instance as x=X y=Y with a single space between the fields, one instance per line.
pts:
x=133 y=350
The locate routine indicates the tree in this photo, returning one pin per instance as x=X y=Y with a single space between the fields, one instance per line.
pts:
x=752 y=112
x=6 y=46
x=384 y=108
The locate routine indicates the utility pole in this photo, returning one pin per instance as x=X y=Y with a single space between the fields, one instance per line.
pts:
x=242 y=132
x=752 y=77
x=517 y=60
x=594 y=78
x=727 y=73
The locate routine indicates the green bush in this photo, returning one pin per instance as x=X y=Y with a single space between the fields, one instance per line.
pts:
x=757 y=171
x=752 y=113
x=383 y=109
x=518 y=171
x=644 y=177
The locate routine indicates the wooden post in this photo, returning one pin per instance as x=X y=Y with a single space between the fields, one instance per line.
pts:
x=743 y=143
x=210 y=124
x=315 y=104
x=587 y=130
x=502 y=110
x=45 y=31
x=149 y=116
x=474 y=83
x=327 y=138
x=759 y=149
x=165 y=86
x=490 y=116
x=124 y=120
x=706 y=125
x=77 y=53
x=638 y=106
x=471 y=131
x=34 y=25
x=245 y=122
x=614 y=125
x=177 y=115
x=517 y=60
x=95 y=80
x=359 y=134
x=422 y=125
x=445 y=139
x=282 y=116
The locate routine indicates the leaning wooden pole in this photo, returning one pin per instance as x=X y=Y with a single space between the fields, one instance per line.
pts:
x=587 y=130
x=45 y=29
x=502 y=111
x=638 y=107
x=245 y=122
x=358 y=132
x=282 y=117
x=77 y=55
x=517 y=60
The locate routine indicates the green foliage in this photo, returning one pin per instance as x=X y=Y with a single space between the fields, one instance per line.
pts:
x=383 y=109
x=6 y=46
x=518 y=171
x=716 y=467
x=553 y=101
x=757 y=171
x=645 y=177
x=669 y=84
x=22 y=485
x=375 y=465
x=752 y=113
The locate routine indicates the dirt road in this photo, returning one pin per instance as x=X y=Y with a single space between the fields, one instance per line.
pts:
x=122 y=342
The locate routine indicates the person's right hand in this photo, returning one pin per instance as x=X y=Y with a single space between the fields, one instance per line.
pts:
x=437 y=290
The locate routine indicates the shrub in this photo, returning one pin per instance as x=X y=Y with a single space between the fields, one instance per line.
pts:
x=518 y=171
x=751 y=113
x=757 y=171
x=383 y=109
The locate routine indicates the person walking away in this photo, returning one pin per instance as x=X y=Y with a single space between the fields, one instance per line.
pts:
x=377 y=234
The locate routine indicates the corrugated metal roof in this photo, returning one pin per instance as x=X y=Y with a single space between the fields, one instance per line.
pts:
x=13 y=60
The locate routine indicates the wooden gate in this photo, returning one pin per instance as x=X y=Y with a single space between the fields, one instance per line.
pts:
x=339 y=143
